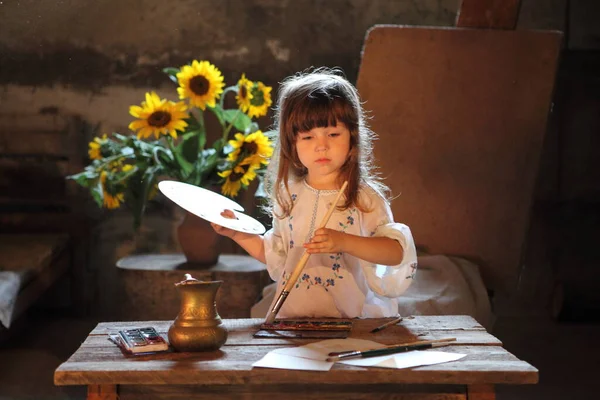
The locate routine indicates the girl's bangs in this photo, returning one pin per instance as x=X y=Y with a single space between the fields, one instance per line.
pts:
x=321 y=113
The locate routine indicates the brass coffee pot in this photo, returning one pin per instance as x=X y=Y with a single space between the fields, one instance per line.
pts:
x=198 y=326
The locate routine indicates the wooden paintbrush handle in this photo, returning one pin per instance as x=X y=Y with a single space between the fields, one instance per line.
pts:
x=296 y=273
x=333 y=205
x=289 y=285
x=300 y=265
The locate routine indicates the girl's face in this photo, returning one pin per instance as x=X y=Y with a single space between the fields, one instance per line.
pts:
x=323 y=151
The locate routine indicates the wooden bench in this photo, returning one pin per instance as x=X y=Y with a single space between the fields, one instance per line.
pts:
x=42 y=227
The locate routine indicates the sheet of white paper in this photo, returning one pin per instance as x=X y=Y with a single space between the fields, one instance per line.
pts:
x=406 y=360
x=320 y=350
x=282 y=361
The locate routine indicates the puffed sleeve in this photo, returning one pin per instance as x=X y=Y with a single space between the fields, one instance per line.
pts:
x=387 y=281
x=275 y=250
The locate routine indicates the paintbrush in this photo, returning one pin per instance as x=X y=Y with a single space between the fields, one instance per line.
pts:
x=300 y=265
x=391 y=349
x=390 y=323
x=337 y=353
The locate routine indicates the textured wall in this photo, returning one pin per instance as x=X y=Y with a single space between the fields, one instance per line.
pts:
x=95 y=58
x=95 y=44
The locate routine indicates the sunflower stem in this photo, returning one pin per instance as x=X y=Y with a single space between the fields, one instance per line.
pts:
x=227 y=90
x=226 y=130
x=200 y=119
x=156 y=150
x=169 y=140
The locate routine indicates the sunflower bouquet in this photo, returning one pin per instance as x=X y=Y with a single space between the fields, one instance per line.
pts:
x=170 y=141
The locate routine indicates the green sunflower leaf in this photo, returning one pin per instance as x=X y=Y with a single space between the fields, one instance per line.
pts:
x=186 y=166
x=238 y=119
x=209 y=163
x=83 y=178
x=163 y=156
x=172 y=73
x=120 y=137
x=127 y=151
x=97 y=193
x=252 y=128
x=140 y=199
x=191 y=145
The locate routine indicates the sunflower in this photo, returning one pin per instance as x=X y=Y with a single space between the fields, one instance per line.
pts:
x=96 y=147
x=237 y=177
x=158 y=116
x=244 y=94
x=255 y=146
x=110 y=201
x=200 y=82
x=260 y=100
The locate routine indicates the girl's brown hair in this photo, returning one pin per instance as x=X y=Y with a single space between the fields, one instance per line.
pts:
x=319 y=98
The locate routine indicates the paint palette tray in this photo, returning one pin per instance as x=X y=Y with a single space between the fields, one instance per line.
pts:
x=306 y=328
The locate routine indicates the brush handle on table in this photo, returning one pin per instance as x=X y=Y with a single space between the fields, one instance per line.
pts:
x=388 y=350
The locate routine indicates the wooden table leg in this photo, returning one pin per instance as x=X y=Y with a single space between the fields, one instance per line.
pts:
x=481 y=392
x=102 y=392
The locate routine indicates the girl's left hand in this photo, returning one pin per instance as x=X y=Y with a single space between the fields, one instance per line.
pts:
x=326 y=241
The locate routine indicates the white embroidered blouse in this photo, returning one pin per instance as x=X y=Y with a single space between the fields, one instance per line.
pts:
x=337 y=285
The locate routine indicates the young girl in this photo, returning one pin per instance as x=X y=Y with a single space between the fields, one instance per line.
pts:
x=362 y=259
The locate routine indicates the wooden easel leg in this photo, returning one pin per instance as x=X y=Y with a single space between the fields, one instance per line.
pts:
x=102 y=392
x=481 y=392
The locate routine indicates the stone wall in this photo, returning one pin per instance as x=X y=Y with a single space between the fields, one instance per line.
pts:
x=97 y=58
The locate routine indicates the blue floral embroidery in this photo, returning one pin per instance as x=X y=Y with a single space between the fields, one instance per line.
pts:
x=291 y=230
x=349 y=219
x=336 y=266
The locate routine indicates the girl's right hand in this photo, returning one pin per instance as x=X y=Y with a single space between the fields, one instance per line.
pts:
x=221 y=230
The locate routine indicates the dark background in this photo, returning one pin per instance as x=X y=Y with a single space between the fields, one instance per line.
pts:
x=94 y=59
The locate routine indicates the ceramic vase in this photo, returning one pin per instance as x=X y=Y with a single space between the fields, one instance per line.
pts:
x=198 y=240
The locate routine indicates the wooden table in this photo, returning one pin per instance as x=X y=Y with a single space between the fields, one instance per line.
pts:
x=228 y=372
